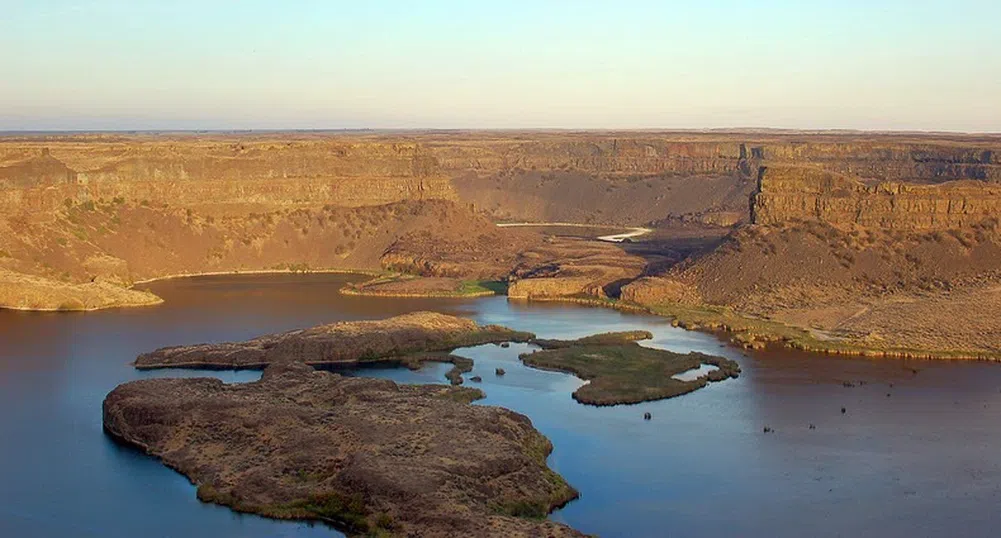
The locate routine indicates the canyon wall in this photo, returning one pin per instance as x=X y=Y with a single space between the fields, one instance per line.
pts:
x=794 y=193
x=620 y=178
x=42 y=175
x=871 y=157
x=645 y=178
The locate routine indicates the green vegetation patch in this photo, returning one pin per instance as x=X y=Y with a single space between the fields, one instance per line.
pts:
x=628 y=373
x=482 y=287
x=603 y=339
x=346 y=512
x=461 y=394
x=406 y=285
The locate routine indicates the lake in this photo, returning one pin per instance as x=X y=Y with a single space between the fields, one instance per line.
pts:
x=914 y=453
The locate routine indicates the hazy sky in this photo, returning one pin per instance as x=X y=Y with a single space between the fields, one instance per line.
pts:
x=140 y=64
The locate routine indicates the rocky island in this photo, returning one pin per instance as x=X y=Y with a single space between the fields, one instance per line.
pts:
x=620 y=371
x=366 y=456
x=400 y=339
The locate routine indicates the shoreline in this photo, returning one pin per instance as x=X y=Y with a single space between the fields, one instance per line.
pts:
x=476 y=288
x=178 y=276
x=741 y=331
x=780 y=336
x=175 y=276
x=81 y=310
x=428 y=295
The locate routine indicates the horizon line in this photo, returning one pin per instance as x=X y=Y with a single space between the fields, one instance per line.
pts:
x=695 y=130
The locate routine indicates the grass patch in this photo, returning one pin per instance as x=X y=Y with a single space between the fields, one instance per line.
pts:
x=627 y=373
x=405 y=285
x=461 y=394
x=530 y=509
x=483 y=287
x=603 y=339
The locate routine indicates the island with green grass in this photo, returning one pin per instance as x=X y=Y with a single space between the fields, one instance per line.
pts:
x=620 y=371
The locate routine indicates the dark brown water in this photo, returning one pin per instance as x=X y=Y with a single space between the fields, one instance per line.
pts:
x=922 y=461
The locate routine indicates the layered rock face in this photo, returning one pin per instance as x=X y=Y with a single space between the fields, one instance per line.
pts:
x=611 y=178
x=793 y=193
x=636 y=178
x=40 y=174
x=914 y=159
x=150 y=206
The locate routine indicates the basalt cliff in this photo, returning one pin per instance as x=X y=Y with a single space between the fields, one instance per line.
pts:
x=906 y=266
x=884 y=241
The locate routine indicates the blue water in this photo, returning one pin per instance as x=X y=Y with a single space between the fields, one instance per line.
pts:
x=921 y=462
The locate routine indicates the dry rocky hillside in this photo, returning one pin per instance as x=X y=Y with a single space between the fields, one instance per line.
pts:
x=883 y=267
x=841 y=240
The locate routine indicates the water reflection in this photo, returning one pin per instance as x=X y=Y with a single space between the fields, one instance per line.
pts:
x=919 y=462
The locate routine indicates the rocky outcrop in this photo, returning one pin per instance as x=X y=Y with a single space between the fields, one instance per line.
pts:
x=657 y=290
x=563 y=267
x=367 y=456
x=788 y=194
x=26 y=292
x=337 y=344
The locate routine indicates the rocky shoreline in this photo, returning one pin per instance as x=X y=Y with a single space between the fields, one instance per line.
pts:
x=37 y=294
x=754 y=334
x=338 y=344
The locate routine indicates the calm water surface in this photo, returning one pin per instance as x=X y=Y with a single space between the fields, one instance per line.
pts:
x=922 y=461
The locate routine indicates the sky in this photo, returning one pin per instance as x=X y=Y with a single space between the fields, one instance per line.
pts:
x=622 y=64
